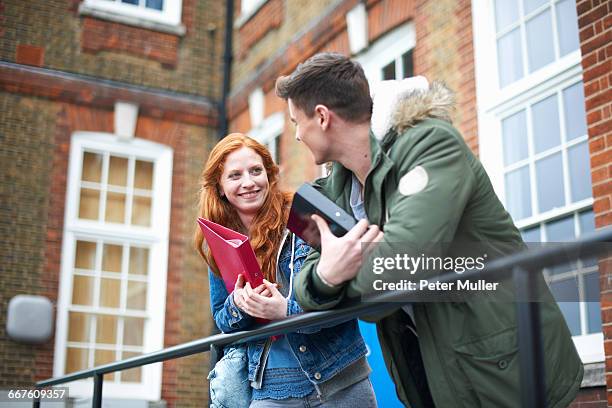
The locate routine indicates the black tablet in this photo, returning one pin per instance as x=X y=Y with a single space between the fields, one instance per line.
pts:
x=307 y=201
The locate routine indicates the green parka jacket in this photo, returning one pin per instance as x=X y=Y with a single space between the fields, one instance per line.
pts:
x=469 y=349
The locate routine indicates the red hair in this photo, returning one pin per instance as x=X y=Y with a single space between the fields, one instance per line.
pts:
x=268 y=226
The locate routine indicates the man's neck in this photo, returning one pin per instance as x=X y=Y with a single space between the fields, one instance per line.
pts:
x=353 y=149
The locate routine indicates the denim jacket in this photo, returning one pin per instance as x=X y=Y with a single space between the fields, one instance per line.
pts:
x=322 y=352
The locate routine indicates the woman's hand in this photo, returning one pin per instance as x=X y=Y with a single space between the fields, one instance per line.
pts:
x=257 y=303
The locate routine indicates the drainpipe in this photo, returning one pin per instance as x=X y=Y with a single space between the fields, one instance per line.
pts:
x=227 y=67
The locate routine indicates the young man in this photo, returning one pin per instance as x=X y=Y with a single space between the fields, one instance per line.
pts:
x=420 y=183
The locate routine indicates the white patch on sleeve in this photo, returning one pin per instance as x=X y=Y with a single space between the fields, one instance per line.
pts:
x=414 y=181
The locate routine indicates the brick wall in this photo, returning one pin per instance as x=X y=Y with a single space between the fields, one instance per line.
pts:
x=268 y=17
x=25 y=180
x=100 y=35
x=52 y=32
x=594 y=18
x=590 y=398
x=444 y=51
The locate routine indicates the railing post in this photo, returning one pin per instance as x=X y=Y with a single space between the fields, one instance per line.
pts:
x=531 y=358
x=96 y=401
x=36 y=403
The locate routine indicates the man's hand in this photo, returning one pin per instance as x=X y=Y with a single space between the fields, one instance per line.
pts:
x=342 y=257
x=264 y=301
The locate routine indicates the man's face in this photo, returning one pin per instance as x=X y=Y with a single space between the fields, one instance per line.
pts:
x=311 y=132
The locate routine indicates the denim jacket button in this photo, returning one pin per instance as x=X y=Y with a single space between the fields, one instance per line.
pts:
x=317 y=376
x=502 y=364
x=234 y=313
x=302 y=349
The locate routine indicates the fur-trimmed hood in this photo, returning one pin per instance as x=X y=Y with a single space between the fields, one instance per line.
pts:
x=401 y=104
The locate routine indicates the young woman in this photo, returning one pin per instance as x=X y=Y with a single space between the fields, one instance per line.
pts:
x=314 y=367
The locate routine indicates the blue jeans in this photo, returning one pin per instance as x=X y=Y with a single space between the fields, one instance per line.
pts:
x=360 y=395
x=229 y=383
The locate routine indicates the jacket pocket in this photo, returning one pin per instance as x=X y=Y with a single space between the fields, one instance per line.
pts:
x=491 y=369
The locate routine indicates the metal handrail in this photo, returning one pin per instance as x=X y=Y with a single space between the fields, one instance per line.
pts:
x=519 y=264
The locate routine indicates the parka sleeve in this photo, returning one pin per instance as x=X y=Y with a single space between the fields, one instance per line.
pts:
x=434 y=183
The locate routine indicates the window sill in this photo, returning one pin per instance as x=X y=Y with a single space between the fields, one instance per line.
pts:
x=594 y=375
x=86 y=10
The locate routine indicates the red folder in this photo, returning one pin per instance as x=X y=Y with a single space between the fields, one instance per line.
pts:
x=233 y=254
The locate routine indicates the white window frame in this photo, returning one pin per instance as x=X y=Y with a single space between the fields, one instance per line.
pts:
x=385 y=50
x=495 y=103
x=168 y=19
x=269 y=131
x=156 y=237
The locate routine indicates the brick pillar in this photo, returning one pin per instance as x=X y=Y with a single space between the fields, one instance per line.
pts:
x=594 y=18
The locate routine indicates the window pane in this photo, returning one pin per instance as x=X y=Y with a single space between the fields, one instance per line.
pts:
x=106 y=329
x=111 y=258
x=408 y=64
x=143 y=176
x=130 y=1
x=141 y=211
x=89 y=204
x=567 y=289
x=587 y=225
x=531 y=5
x=389 y=71
x=546 y=131
x=82 y=290
x=573 y=108
x=110 y=292
x=133 y=331
x=137 y=295
x=561 y=230
x=518 y=194
x=79 y=325
x=531 y=235
x=579 y=171
x=587 y=222
x=514 y=138
x=540 y=49
x=76 y=359
x=567 y=26
x=139 y=261
x=591 y=290
x=506 y=13
x=105 y=357
x=92 y=167
x=117 y=171
x=85 y=257
x=510 y=59
x=549 y=182
x=115 y=207
x=133 y=374
x=155 y=4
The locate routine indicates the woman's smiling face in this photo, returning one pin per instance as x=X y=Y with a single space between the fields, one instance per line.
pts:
x=244 y=182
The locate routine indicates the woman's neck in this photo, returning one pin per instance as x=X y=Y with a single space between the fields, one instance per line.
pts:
x=247 y=220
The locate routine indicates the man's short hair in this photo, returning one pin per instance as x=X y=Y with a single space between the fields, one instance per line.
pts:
x=330 y=79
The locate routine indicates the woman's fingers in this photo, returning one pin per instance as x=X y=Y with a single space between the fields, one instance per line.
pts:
x=239 y=282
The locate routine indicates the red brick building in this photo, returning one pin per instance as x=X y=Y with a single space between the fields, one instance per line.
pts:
x=109 y=109
x=533 y=91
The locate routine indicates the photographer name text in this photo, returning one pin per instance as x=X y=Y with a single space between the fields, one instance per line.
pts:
x=425 y=285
